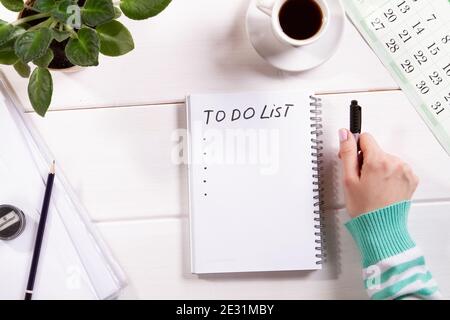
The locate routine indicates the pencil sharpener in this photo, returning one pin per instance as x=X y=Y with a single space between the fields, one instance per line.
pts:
x=12 y=222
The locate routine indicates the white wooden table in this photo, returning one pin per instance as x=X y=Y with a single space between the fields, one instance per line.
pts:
x=111 y=130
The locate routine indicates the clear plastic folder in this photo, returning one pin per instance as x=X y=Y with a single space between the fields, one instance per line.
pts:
x=75 y=263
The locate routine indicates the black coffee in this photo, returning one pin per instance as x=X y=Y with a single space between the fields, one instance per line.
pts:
x=301 y=19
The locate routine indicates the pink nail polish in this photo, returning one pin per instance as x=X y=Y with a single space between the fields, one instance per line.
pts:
x=343 y=135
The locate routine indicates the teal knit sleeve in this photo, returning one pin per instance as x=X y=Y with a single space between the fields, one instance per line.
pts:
x=382 y=233
x=394 y=268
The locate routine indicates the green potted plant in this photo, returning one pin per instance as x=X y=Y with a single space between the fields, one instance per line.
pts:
x=63 y=34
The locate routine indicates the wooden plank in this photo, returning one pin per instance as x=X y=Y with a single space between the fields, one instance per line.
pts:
x=155 y=256
x=119 y=160
x=199 y=46
x=399 y=130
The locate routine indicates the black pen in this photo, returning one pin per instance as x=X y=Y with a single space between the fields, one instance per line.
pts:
x=355 y=126
x=40 y=233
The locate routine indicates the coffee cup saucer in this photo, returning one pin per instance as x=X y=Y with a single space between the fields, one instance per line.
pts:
x=286 y=57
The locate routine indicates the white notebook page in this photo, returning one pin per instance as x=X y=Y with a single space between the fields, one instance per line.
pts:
x=251 y=192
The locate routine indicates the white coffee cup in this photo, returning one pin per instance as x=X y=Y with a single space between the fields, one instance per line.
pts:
x=272 y=9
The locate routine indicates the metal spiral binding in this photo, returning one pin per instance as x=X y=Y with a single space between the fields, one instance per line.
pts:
x=317 y=153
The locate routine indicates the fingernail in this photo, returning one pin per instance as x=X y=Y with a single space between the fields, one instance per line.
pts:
x=343 y=135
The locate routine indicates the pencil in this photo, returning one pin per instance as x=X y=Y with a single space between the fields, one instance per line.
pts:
x=40 y=233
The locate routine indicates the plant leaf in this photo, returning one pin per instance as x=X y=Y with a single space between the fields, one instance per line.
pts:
x=44 y=5
x=115 y=39
x=117 y=13
x=40 y=90
x=143 y=9
x=33 y=44
x=84 y=50
x=6 y=31
x=7 y=54
x=23 y=69
x=96 y=12
x=61 y=11
x=13 y=5
x=45 y=60
x=60 y=36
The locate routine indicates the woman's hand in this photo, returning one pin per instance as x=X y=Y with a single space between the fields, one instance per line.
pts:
x=383 y=179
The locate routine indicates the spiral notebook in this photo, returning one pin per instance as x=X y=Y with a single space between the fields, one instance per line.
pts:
x=254 y=189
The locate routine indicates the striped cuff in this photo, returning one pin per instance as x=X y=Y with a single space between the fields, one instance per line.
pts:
x=404 y=276
x=382 y=233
